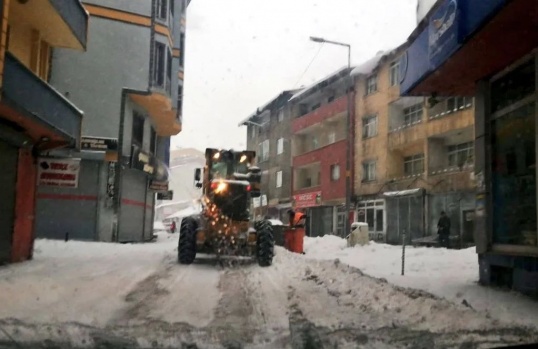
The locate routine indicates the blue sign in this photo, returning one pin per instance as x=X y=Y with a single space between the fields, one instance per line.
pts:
x=452 y=23
x=443 y=36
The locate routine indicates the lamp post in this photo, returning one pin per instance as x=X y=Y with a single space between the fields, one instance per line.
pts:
x=348 y=127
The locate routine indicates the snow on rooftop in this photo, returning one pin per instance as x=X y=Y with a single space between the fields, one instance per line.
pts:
x=311 y=86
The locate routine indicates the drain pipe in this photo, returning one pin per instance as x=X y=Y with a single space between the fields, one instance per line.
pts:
x=118 y=180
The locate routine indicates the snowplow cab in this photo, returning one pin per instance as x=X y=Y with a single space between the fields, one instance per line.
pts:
x=228 y=181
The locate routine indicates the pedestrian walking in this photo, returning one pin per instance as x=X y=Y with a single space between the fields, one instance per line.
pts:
x=173 y=227
x=443 y=230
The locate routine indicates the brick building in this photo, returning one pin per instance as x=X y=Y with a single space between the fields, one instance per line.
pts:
x=319 y=152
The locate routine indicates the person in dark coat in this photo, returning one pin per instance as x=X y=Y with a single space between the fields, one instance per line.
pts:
x=443 y=229
x=173 y=227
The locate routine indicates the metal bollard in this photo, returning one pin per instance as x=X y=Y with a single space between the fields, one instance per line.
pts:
x=403 y=253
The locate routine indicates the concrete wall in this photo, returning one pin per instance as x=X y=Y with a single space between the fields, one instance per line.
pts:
x=141 y=7
x=117 y=56
x=66 y=210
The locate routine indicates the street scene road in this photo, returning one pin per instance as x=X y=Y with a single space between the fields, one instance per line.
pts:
x=84 y=294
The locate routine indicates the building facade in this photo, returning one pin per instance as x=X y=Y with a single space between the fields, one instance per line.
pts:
x=34 y=117
x=413 y=157
x=269 y=134
x=488 y=50
x=319 y=152
x=129 y=84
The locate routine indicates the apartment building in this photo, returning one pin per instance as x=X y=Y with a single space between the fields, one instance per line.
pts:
x=34 y=117
x=319 y=152
x=269 y=134
x=129 y=85
x=413 y=156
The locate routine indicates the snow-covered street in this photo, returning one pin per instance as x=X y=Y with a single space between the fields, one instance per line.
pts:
x=78 y=294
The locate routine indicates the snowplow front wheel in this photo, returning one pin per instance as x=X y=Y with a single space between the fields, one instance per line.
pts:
x=187 y=241
x=265 y=243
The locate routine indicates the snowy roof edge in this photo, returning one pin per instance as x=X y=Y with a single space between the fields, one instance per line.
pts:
x=313 y=85
x=368 y=66
x=261 y=109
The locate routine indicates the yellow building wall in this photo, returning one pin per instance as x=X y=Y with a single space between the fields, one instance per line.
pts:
x=27 y=46
x=389 y=149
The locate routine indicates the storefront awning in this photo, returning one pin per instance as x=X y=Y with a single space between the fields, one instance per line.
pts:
x=463 y=41
x=407 y=192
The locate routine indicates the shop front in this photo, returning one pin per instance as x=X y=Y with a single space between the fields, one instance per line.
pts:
x=489 y=50
x=324 y=217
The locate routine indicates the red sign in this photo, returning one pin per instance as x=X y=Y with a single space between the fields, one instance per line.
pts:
x=307 y=199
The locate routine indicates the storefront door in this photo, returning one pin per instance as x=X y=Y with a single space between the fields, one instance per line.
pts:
x=8 y=178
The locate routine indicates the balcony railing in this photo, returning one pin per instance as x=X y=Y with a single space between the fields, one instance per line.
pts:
x=316 y=116
x=39 y=100
x=440 y=170
x=75 y=16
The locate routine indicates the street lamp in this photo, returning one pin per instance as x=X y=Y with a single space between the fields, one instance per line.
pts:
x=348 y=126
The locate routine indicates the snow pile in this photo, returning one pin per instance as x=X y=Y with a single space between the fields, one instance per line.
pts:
x=452 y=274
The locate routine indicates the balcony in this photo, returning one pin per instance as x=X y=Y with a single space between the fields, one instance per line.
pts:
x=61 y=23
x=27 y=93
x=406 y=137
x=160 y=110
x=328 y=153
x=320 y=114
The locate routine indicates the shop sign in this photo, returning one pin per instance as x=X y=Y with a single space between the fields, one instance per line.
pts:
x=169 y=195
x=54 y=172
x=142 y=161
x=158 y=185
x=307 y=200
x=99 y=144
x=443 y=35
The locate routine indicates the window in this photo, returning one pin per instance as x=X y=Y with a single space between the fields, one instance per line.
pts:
x=179 y=98
x=162 y=9
x=315 y=143
x=456 y=103
x=152 y=142
x=169 y=72
x=371 y=84
x=280 y=146
x=279 y=179
x=158 y=64
x=335 y=172
x=412 y=114
x=331 y=137
x=394 y=73
x=369 y=126
x=460 y=154
x=280 y=115
x=138 y=129
x=181 y=49
x=263 y=150
x=315 y=106
x=414 y=164
x=330 y=99
x=252 y=131
x=369 y=171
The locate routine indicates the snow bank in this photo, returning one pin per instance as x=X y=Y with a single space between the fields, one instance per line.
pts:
x=452 y=274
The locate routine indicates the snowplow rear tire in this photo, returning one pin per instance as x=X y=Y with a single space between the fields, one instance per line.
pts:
x=187 y=241
x=265 y=243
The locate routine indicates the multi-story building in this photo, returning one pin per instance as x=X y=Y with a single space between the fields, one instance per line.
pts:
x=129 y=85
x=319 y=152
x=269 y=134
x=34 y=117
x=413 y=157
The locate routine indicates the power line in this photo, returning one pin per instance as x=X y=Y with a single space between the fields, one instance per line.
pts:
x=308 y=66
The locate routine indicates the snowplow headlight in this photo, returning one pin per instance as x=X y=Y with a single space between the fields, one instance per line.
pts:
x=219 y=187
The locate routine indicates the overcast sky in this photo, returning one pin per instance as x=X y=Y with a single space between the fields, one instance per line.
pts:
x=242 y=53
